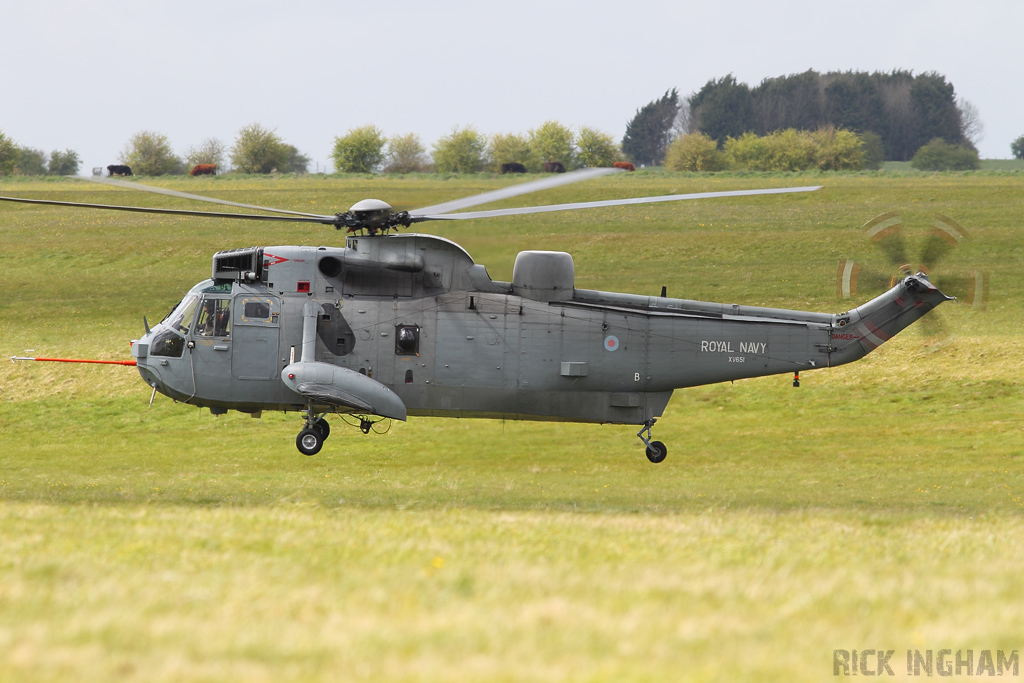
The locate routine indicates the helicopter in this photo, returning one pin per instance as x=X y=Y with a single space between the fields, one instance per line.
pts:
x=394 y=324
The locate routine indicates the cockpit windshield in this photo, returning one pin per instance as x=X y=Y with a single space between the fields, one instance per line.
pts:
x=181 y=317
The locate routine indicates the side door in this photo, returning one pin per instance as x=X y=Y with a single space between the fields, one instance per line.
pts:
x=256 y=331
x=211 y=348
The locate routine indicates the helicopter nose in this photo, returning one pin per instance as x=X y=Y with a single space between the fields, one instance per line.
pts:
x=149 y=371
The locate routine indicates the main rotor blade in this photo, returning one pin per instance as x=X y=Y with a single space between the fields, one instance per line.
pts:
x=555 y=180
x=185 y=195
x=610 y=202
x=325 y=220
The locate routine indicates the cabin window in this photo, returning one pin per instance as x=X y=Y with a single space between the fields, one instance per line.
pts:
x=256 y=310
x=214 y=318
x=407 y=340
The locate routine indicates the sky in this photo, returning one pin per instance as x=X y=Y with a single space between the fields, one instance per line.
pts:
x=87 y=75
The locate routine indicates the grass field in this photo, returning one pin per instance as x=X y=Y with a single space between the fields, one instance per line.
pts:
x=880 y=505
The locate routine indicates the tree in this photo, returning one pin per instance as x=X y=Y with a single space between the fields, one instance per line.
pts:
x=939 y=155
x=9 y=155
x=297 y=162
x=361 y=150
x=852 y=101
x=790 y=150
x=748 y=152
x=935 y=110
x=649 y=132
x=827 y=149
x=694 y=152
x=31 y=161
x=723 y=108
x=594 y=148
x=149 y=153
x=64 y=163
x=971 y=125
x=259 y=150
x=874 y=150
x=461 y=151
x=1017 y=148
x=210 y=152
x=898 y=128
x=405 y=154
x=510 y=148
x=837 y=150
x=551 y=142
x=796 y=101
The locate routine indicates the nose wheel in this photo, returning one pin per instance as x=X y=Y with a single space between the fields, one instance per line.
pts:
x=656 y=450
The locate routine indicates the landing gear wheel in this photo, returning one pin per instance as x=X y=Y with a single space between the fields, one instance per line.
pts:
x=656 y=452
x=323 y=426
x=309 y=441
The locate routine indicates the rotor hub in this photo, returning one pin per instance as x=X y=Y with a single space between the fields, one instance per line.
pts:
x=373 y=216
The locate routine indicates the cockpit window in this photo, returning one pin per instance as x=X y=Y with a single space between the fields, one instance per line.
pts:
x=214 y=318
x=181 y=317
x=167 y=343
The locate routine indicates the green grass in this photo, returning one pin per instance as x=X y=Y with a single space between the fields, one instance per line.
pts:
x=877 y=506
x=1003 y=165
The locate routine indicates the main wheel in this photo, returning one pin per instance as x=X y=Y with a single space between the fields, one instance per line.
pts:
x=323 y=426
x=656 y=452
x=309 y=441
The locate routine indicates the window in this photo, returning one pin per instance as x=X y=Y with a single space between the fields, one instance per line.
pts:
x=169 y=344
x=257 y=309
x=407 y=340
x=181 y=317
x=214 y=318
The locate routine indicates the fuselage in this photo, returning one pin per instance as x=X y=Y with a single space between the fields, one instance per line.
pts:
x=416 y=314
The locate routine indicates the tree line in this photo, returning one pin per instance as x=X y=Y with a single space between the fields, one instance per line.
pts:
x=16 y=159
x=835 y=120
x=897 y=111
x=365 y=149
x=466 y=150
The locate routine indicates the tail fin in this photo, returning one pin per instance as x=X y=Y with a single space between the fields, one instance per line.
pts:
x=857 y=333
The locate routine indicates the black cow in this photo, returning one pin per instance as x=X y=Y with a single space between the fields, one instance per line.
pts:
x=553 y=167
x=513 y=167
x=119 y=169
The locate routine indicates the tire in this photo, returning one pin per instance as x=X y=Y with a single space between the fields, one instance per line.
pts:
x=309 y=441
x=656 y=452
x=324 y=427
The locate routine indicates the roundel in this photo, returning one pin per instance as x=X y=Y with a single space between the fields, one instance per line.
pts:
x=611 y=343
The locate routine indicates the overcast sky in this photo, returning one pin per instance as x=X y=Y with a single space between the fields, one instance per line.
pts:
x=87 y=75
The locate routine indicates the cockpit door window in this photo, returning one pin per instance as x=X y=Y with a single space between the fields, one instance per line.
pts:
x=214 y=318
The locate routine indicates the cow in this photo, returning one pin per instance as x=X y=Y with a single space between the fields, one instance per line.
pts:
x=513 y=167
x=119 y=169
x=624 y=165
x=553 y=167
x=204 y=169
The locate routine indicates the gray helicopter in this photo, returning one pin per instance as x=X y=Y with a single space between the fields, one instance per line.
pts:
x=398 y=324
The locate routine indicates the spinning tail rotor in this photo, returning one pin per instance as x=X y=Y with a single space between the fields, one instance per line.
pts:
x=887 y=233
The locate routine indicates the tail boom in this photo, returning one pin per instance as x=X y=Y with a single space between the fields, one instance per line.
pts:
x=860 y=331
